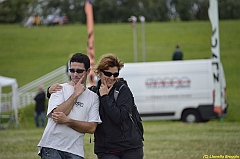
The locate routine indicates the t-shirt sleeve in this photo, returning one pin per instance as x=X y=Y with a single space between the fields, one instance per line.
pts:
x=55 y=100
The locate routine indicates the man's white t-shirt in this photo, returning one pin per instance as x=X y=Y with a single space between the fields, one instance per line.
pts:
x=62 y=137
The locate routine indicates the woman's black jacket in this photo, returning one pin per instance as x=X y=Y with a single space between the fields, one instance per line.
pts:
x=116 y=133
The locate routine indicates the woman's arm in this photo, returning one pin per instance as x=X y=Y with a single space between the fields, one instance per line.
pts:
x=53 y=88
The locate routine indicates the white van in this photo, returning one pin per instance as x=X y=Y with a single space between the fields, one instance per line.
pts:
x=174 y=90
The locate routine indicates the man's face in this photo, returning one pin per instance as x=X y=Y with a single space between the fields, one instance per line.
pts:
x=77 y=71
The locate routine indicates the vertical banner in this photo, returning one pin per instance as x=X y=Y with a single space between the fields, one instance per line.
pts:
x=90 y=41
x=215 y=49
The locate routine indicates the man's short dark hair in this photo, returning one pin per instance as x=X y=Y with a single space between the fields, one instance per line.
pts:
x=81 y=58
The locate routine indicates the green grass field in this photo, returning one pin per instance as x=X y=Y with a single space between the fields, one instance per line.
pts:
x=163 y=140
x=29 y=53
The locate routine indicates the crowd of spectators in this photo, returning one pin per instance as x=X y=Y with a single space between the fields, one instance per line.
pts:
x=52 y=19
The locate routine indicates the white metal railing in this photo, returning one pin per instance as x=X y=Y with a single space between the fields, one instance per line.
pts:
x=27 y=92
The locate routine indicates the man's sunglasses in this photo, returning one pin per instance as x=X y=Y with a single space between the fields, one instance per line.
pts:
x=109 y=74
x=77 y=70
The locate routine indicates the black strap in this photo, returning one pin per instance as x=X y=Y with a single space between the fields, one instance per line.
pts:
x=129 y=114
x=116 y=92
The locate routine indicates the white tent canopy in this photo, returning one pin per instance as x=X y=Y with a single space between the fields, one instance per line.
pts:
x=6 y=81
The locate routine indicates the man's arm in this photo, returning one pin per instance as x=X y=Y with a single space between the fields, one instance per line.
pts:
x=80 y=126
x=67 y=106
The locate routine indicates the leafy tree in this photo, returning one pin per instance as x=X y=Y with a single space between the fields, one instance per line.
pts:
x=202 y=9
x=129 y=8
x=229 y=9
x=108 y=11
x=184 y=9
x=12 y=11
x=159 y=10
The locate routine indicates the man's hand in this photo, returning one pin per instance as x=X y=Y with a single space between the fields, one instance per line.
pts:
x=79 y=88
x=67 y=106
x=80 y=126
x=60 y=118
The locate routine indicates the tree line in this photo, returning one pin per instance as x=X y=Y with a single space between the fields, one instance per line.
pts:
x=112 y=11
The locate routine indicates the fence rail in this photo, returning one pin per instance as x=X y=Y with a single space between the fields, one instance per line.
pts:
x=27 y=92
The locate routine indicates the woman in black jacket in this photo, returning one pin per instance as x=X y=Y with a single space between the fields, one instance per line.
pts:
x=116 y=137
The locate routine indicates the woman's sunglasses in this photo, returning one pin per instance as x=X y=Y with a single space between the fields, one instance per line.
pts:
x=109 y=74
x=77 y=70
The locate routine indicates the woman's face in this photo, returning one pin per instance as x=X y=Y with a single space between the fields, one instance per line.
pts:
x=110 y=75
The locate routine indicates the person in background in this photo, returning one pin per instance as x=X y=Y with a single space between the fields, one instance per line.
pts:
x=30 y=21
x=40 y=100
x=72 y=112
x=63 y=19
x=52 y=20
x=37 y=20
x=177 y=54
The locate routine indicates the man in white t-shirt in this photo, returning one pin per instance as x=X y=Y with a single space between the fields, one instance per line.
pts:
x=72 y=112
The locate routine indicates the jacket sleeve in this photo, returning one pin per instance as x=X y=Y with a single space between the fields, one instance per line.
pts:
x=118 y=111
x=48 y=94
